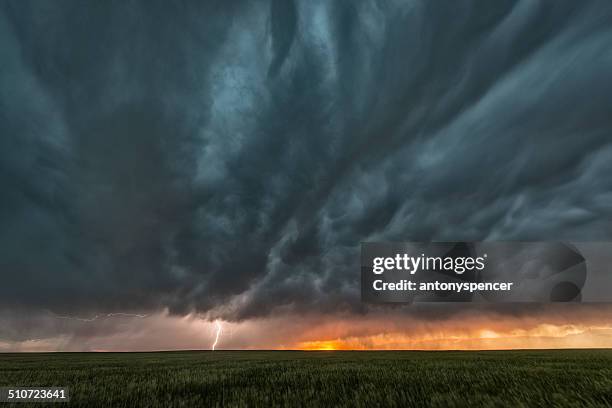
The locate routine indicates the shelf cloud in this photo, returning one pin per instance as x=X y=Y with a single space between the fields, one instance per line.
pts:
x=228 y=159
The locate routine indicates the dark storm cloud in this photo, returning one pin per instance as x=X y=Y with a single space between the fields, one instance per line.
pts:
x=197 y=155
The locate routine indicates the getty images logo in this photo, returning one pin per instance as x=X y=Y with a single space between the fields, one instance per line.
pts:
x=412 y=264
x=535 y=271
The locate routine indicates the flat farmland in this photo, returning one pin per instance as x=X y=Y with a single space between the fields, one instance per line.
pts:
x=541 y=378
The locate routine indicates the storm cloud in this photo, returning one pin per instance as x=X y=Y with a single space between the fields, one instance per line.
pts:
x=228 y=159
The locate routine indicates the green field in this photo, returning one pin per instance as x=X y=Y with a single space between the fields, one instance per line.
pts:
x=294 y=378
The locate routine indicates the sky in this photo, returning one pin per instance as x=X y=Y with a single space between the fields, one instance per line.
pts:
x=167 y=166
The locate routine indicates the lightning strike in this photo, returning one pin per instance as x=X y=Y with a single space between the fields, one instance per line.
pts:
x=97 y=317
x=219 y=329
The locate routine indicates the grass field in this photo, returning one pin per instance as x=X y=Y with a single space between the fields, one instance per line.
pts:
x=294 y=378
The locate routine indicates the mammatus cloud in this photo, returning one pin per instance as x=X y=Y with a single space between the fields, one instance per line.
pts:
x=229 y=159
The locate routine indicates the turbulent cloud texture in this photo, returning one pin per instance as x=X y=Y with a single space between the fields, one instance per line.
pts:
x=228 y=157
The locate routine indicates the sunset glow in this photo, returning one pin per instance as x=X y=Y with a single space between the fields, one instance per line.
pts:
x=560 y=327
x=542 y=336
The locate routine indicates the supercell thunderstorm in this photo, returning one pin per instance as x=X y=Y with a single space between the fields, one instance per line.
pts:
x=228 y=161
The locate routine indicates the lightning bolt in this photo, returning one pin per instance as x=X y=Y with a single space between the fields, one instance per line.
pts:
x=98 y=316
x=219 y=329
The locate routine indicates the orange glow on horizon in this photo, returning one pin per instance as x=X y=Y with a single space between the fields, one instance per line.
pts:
x=555 y=328
x=539 y=337
x=326 y=345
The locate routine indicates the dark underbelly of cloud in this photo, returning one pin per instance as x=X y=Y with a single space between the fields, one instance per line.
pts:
x=230 y=158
